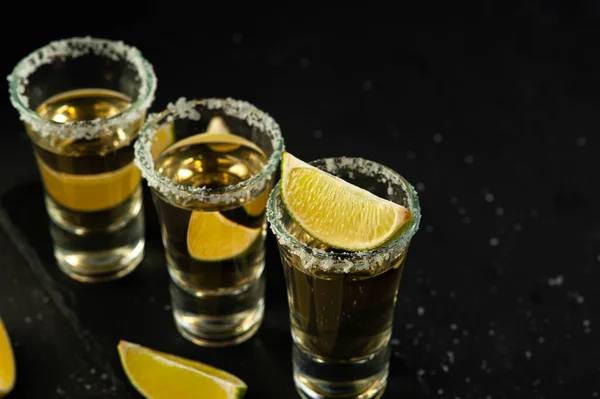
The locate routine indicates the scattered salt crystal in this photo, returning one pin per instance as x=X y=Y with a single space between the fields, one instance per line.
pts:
x=304 y=62
x=556 y=282
x=462 y=210
x=469 y=159
x=87 y=387
x=541 y=340
x=92 y=371
x=236 y=38
x=489 y=197
x=368 y=85
x=533 y=213
x=411 y=155
x=318 y=134
x=429 y=229
x=420 y=187
x=492 y=333
x=167 y=307
x=466 y=220
x=420 y=310
x=438 y=138
x=518 y=227
x=450 y=356
x=586 y=323
x=453 y=200
x=60 y=391
x=453 y=327
x=395 y=341
x=440 y=391
x=499 y=211
x=444 y=367
x=421 y=372
x=27 y=319
x=528 y=354
x=494 y=241
x=581 y=141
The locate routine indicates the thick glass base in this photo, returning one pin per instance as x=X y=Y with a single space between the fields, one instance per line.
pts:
x=218 y=320
x=100 y=266
x=316 y=378
x=99 y=256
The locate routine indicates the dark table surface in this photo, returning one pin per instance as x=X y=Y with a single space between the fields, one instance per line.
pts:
x=493 y=115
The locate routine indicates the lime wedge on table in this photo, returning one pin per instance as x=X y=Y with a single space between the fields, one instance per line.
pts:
x=212 y=237
x=158 y=375
x=7 y=363
x=335 y=211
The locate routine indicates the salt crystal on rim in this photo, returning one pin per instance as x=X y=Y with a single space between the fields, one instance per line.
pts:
x=73 y=48
x=244 y=191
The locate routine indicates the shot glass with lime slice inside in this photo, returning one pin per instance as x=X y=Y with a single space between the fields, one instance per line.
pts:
x=343 y=226
x=211 y=165
x=82 y=101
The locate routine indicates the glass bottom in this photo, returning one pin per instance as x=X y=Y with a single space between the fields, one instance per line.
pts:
x=100 y=266
x=101 y=252
x=218 y=320
x=316 y=378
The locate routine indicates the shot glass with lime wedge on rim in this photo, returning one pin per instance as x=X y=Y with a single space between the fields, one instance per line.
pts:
x=211 y=165
x=343 y=227
x=82 y=101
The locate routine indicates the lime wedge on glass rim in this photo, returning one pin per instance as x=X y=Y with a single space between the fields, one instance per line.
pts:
x=336 y=212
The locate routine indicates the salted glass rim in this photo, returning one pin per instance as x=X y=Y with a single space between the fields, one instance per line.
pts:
x=72 y=48
x=186 y=109
x=348 y=260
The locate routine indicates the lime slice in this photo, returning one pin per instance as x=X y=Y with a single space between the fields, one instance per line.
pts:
x=159 y=375
x=220 y=142
x=164 y=137
x=257 y=206
x=212 y=237
x=7 y=363
x=89 y=193
x=217 y=125
x=336 y=212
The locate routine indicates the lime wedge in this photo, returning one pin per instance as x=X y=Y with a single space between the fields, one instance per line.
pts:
x=164 y=137
x=7 y=363
x=217 y=125
x=159 y=375
x=90 y=193
x=211 y=237
x=336 y=212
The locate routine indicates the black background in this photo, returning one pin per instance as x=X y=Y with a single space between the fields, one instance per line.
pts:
x=490 y=109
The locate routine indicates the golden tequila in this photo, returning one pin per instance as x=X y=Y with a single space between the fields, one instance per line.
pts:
x=215 y=254
x=92 y=186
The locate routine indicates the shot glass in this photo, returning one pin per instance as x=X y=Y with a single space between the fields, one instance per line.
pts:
x=211 y=164
x=82 y=101
x=342 y=303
